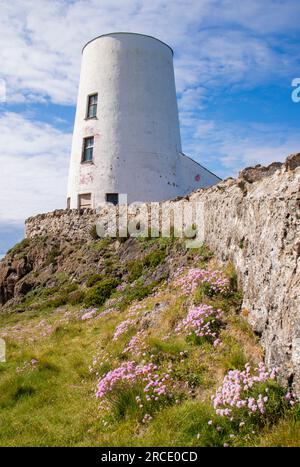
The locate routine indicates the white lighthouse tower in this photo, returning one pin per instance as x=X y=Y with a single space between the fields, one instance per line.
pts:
x=126 y=136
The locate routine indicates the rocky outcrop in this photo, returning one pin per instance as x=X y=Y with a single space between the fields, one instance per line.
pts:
x=10 y=274
x=254 y=221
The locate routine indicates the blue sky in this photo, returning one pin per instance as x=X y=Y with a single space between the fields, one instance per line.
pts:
x=234 y=64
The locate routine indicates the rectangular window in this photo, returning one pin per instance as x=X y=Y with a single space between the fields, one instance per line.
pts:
x=88 y=147
x=112 y=198
x=68 y=203
x=92 y=106
x=85 y=201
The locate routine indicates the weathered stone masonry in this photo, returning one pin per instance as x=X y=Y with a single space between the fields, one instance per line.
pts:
x=255 y=222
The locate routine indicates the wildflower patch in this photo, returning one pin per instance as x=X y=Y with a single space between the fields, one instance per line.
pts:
x=243 y=392
x=136 y=345
x=153 y=384
x=213 y=281
x=123 y=327
x=203 y=322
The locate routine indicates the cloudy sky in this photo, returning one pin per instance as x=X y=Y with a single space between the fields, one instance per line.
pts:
x=234 y=64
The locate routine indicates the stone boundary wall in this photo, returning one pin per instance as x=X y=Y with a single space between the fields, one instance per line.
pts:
x=74 y=224
x=254 y=221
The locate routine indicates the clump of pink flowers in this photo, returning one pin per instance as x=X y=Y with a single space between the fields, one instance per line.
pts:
x=128 y=372
x=147 y=418
x=291 y=398
x=236 y=391
x=203 y=321
x=156 y=383
x=122 y=328
x=135 y=309
x=216 y=281
x=136 y=345
x=89 y=314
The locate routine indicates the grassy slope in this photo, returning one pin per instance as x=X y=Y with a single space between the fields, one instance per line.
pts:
x=52 y=402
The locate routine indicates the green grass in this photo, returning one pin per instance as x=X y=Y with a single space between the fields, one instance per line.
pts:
x=52 y=256
x=93 y=279
x=42 y=407
x=98 y=294
x=135 y=270
x=154 y=258
x=52 y=402
x=138 y=292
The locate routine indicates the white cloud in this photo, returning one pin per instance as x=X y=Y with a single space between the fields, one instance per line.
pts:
x=228 y=147
x=214 y=40
x=264 y=17
x=192 y=98
x=219 y=58
x=34 y=160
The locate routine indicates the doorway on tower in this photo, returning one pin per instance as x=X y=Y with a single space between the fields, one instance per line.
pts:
x=85 y=201
x=112 y=198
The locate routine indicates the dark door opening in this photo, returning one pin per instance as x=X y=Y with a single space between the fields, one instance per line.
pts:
x=112 y=198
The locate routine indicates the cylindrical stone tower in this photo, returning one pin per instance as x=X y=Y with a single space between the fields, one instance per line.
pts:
x=126 y=135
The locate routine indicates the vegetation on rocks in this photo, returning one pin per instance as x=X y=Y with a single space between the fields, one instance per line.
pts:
x=101 y=292
x=133 y=343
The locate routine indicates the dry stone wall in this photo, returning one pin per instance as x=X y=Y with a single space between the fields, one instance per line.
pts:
x=254 y=221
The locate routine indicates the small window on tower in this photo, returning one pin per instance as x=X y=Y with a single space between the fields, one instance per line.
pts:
x=92 y=106
x=112 y=198
x=87 y=150
x=68 y=203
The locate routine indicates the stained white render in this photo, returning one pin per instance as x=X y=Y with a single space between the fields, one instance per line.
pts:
x=137 y=145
